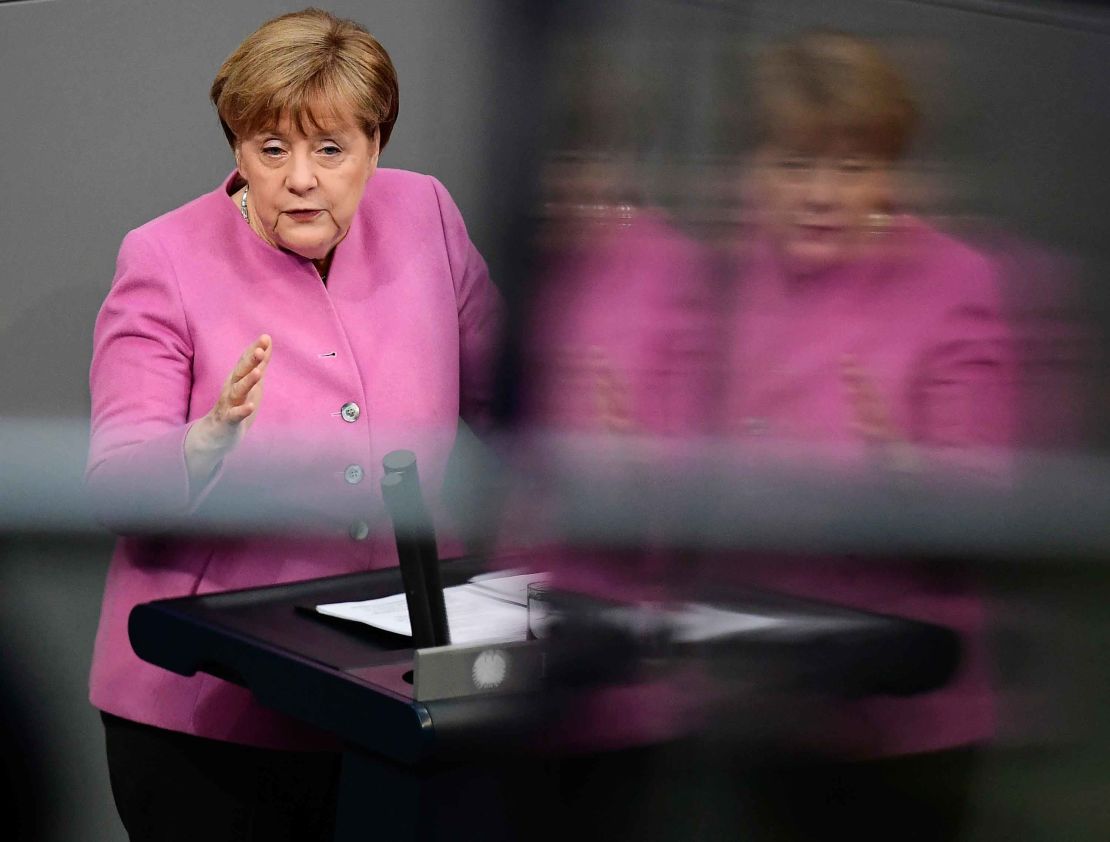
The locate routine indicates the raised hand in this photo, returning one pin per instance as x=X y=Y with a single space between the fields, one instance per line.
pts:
x=217 y=433
x=872 y=417
x=870 y=414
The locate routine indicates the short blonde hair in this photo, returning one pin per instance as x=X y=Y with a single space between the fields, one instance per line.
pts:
x=823 y=89
x=308 y=65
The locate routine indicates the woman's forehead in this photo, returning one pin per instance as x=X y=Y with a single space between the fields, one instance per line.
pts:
x=311 y=123
x=309 y=118
x=824 y=139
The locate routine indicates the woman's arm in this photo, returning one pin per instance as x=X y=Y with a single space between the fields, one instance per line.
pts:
x=957 y=410
x=481 y=311
x=963 y=400
x=147 y=459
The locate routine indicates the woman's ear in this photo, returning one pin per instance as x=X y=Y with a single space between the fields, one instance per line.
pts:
x=375 y=145
x=372 y=153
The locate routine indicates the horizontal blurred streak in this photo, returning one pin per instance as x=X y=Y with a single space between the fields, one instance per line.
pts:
x=42 y=487
x=594 y=491
x=1068 y=15
x=716 y=495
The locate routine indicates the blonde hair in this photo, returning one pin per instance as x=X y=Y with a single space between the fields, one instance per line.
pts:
x=309 y=66
x=824 y=89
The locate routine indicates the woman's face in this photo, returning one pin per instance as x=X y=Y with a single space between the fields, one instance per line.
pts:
x=820 y=208
x=305 y=189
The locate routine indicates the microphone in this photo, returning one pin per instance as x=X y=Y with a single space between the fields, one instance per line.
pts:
x=416 y=550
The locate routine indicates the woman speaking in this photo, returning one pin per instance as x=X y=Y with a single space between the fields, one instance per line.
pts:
x=311 y=299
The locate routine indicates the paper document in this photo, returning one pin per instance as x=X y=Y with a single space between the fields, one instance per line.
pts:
x=489 y=609
x=494 y=607
x=511 y=587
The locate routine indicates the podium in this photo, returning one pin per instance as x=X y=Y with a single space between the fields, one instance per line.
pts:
x=431 y=761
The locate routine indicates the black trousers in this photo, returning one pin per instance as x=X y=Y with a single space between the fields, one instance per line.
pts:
x=694 y=791
x=170 y=786
x=913 y=798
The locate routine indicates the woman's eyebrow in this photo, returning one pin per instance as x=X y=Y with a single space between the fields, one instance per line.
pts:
x=313 y=136
x=324 y=134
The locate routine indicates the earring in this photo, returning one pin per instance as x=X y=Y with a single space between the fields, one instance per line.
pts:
x=879 y=223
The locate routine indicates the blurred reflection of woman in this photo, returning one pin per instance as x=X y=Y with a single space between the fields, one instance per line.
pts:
x=865 y=336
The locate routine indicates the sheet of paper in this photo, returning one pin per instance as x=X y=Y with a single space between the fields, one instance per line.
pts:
x=511 y=587
x=473 y=615
x=494 y=608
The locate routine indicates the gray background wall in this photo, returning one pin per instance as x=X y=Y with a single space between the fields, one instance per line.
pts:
x=104 y=123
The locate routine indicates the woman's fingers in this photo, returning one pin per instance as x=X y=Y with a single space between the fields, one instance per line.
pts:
x=258 y=351
x=236 y=403
x=240 y=413
x=872 y=417
x=249 y=359
x=237 y=392
x=250 y=367
x=222 y=428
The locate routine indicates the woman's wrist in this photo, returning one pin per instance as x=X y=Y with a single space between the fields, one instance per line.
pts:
x=206 y=444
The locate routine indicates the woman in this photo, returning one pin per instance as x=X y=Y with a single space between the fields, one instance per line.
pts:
x=865 y=337
x=860 y=337
x=352 y=297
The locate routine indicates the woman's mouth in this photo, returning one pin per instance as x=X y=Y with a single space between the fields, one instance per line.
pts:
x=303 y=214
x=818 y=233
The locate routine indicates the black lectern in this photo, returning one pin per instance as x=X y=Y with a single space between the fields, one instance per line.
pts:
x=337 y=676
x=431 y=770
x=420 y=757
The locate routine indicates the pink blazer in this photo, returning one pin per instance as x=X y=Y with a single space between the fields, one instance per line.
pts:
x=923 y=319
x=617 y=334
x=617 y=344
x=631 y=314
x=401 y=336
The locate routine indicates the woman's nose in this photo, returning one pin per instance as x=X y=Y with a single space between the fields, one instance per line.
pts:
x=821 y=190
x=301 y=175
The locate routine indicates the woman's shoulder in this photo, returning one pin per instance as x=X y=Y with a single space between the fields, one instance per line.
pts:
x=934 y=249
x=945 y=265
x=409 y=205
x=391 y=185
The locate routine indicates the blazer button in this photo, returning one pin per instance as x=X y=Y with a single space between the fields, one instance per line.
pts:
x=353 y=474
x=359 y=531
x=350 y=412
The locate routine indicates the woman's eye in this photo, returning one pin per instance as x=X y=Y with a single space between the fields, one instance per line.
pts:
x=793 y=164
x=330 y=149
x=853 y=166
x=272 y=151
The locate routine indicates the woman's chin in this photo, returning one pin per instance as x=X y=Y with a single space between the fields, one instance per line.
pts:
x=812 y=258
x=314 y=250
